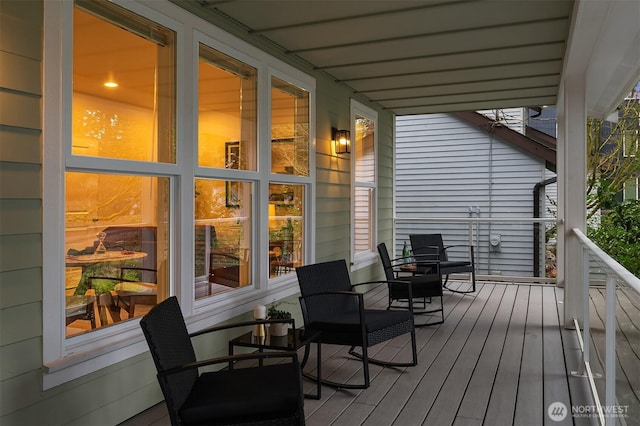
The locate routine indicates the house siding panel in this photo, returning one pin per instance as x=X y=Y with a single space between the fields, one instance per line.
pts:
x=20 y=209
x=20 y=145
x=446 y=167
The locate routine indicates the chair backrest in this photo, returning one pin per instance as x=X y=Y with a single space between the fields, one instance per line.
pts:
x=386 y=262
x=425 y=244
x=135 y=273
x=324 y=277
x=170 y=347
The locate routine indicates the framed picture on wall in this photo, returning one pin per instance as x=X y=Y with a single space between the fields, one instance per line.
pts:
x=232 y=161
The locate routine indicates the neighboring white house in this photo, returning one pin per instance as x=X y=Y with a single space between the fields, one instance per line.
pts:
x=469 y=167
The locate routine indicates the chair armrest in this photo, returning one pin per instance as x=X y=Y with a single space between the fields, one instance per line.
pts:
x=458 y=245
x=400 y=282
x=469 y=246
x=232 y=358
x=378 y=282
x=242 y=324
x=419 y=259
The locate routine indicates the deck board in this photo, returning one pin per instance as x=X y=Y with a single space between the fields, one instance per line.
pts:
x=555 y=384
x=501 y=407
x=420 y=402
x=476 y=397
x=500 y=358
x=529 y=403
x=453 y=391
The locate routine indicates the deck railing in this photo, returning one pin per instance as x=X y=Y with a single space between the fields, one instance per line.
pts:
x=617 y=278
x=515 y=243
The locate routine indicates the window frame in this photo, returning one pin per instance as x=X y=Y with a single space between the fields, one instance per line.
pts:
x=634 y=190
x=67 y=359
x=369 y=257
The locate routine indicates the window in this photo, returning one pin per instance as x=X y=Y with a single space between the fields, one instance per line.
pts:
x=289 y=129
x=227 y=134
x=116 y=245
x=227 y=111
x=364 y=184
x=290 y=123
x=142 y=133
x=223 y=236
x=286 y=228
x=116 y=237
x=631 y=137
x=123 y=85
x=631 y=190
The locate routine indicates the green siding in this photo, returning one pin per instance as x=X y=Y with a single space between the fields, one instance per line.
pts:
x=118 y=392
x=20 y=208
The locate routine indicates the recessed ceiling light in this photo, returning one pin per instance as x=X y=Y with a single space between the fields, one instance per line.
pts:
x=111 y=84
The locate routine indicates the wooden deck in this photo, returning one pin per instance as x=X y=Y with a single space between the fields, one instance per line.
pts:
x=501 y=357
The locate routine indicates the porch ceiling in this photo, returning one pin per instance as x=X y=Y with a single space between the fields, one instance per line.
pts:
x=415 y=57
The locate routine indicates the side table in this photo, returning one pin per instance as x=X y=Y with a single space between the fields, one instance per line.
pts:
x=294 y=340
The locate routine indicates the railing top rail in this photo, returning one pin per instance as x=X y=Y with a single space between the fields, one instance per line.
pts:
x=607 y=262
x=477 y=219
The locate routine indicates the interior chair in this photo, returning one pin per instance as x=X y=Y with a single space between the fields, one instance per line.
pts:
x=137 y=286
x=247 y=394
x=330 y=305
x=283 y=256
x=423 y=286
x=427 y=244
x=224 y=268
x=124 y=292
x=80 y=308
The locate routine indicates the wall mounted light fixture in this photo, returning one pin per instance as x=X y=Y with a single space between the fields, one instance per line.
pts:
x=341 y=140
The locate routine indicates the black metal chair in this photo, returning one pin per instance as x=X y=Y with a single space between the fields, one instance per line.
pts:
x=428 y=244
x=244 y=395
x=330 y=305
x=423 y=286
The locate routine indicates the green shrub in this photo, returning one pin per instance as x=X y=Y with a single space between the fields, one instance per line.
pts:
x=618 y=234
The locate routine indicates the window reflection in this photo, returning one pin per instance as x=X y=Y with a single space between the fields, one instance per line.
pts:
x=289 y=129
x=222 y=236
x=226 y=112
x=123 y=86
x=286 y=228
x=116 y=246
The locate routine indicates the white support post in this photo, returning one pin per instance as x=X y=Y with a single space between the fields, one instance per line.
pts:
x=572 y=154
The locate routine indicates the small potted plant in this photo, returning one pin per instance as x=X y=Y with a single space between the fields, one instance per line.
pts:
x=278 y=329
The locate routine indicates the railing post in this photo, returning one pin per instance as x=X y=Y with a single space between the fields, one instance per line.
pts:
x=586 y=323
x=610 y=351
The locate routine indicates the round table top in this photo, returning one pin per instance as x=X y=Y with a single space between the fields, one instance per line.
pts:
x=109 y=256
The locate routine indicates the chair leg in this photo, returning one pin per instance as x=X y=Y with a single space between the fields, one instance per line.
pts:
x=414 y=362
x=315 y=378
x=473 y=284
x=433 y=311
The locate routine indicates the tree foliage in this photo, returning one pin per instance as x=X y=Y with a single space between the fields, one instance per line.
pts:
x=618 y=234
x=613 y=155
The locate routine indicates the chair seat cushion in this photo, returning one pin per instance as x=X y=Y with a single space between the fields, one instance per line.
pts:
x=349 y=321
x=448 y=267
x=259 y=393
